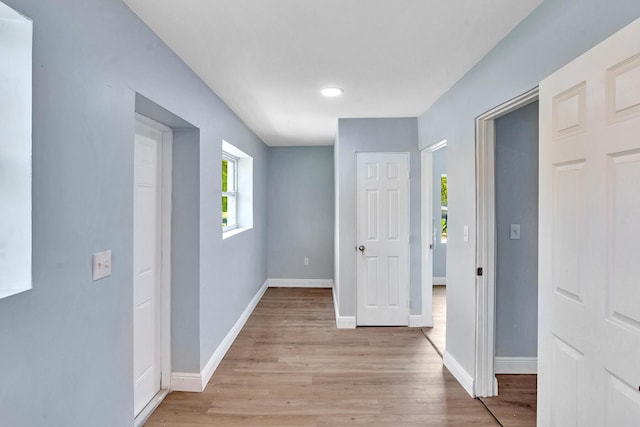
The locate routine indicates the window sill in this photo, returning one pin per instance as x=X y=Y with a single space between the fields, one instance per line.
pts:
x=4 y=293
x=235 y=231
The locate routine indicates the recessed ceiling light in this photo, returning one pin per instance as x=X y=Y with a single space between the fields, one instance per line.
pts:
x=331 y=91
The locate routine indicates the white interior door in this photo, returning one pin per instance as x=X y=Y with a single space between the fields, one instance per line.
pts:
x=146 y=264
x=382 y=239
x=589 y=305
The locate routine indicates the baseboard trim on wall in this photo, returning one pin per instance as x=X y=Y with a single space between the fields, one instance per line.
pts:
x=462 y=376
x=439 y=281
x=417 y=321
x=300 y=283
x=516 y=365
x=342 y=322
x=192 y=382
x=186 y=381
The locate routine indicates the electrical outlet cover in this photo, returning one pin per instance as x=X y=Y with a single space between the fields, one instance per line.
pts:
x=101 y=265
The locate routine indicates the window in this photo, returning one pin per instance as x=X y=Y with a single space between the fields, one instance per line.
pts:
x=237 y=190
x=16 y=33
x=443 y=208
x=229 y=192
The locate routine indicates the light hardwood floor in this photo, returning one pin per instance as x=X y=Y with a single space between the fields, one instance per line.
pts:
x=515 y=406
x=290 y=366
x=438 y=333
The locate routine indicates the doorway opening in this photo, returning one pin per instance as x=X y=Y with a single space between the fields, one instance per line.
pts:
x=435 y=215
x=507 y=246
x=516 y=264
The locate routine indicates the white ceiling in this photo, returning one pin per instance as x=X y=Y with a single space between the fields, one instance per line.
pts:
x=268 y=59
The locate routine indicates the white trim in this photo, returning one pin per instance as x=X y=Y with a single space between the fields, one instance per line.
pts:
x=300 y=283
x=426 y=204
x=485 y=241
x=342 y=322
x=417 y=321
x=234 y=231
x=456 y=369
x=193 y=382
x=165 y=274
x=346 y=322
x=516 y=365
x=440 y=281
x=146 y=412
x=165 y=212
x=186 y=381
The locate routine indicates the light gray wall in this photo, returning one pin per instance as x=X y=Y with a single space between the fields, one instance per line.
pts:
x=439 y=248
x=66 y=357
x=185 y=250
x=516 y=178
x=381 y=135
x=554 y=34
x=300 y=212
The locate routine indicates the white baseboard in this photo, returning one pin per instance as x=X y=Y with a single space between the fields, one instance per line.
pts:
x=516 y=365
x=346 y=322
x=194 y=382
x=439 y=281
x=186 y=381
x=300 y=283
x=462 y=376
x=417 y=321
x=342 y=322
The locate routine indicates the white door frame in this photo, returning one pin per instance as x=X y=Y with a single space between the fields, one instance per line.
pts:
x=426 y=168
x=485 y=383
x=165 y=260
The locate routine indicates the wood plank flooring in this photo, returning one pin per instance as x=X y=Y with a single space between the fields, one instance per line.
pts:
x=438 y=333
x=515 y=405
x=290 y=366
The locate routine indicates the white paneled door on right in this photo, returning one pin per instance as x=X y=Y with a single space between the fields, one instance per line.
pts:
x=589 y=352
x=382 y=250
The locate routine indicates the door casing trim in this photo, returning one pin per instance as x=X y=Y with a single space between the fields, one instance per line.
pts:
x=165 y=255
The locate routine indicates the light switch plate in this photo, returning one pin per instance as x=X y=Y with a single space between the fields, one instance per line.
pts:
x=514 y=232
x=101 y=265
x=465 y=233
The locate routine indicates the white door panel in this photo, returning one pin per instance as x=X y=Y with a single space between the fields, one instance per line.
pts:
x=589 y=347
x=146 y=265
x=383 y=231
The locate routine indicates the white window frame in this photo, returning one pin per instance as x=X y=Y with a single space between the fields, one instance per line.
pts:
x=16 y=32
x=231 y=193
x=443 y=209
x=243 y=190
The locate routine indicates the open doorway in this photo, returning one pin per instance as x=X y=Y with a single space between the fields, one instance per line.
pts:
x=508 y=258
x=435 y=232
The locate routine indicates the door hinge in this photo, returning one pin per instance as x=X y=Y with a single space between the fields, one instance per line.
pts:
x=479 y=271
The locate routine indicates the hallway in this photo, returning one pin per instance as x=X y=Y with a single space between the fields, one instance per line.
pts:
x=290 y=366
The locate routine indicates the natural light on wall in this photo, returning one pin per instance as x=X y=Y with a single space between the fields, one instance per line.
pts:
x=15 y=151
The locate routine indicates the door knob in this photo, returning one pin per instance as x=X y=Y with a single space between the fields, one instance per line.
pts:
x=361 y=248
